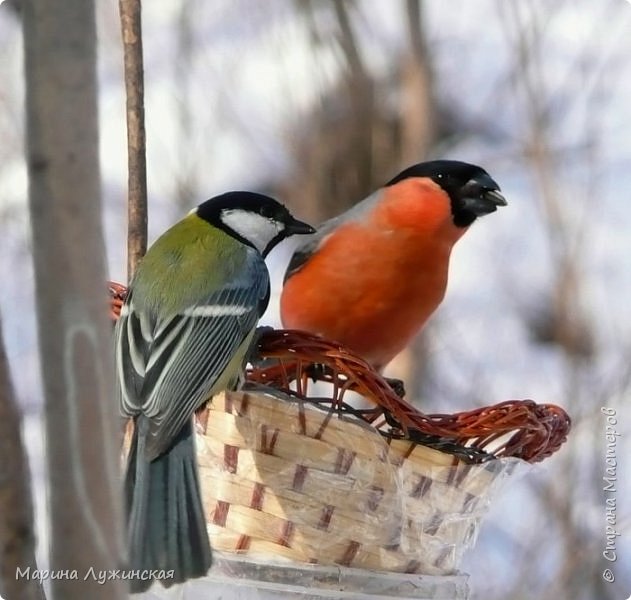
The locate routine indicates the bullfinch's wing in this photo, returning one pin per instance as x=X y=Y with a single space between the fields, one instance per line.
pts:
x=310 y=244
x=175 y=364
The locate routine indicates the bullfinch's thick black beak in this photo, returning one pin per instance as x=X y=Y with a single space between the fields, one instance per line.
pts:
x=296 y=227
x=481 y=196
x=486 y=202
x=495 y=197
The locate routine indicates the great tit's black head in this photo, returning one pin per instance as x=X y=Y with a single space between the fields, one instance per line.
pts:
x=254 y=219
x=471 y=189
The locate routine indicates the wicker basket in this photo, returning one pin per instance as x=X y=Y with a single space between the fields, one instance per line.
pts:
x=287 y=480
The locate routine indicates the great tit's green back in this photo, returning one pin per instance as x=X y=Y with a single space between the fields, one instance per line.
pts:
x=185 y=265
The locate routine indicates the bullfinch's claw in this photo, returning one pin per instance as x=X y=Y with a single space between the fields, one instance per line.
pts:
x=397 y=385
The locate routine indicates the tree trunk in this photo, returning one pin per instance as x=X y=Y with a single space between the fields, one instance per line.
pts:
x=74 y=337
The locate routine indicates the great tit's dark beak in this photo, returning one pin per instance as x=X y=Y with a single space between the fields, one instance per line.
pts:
x=296 y=227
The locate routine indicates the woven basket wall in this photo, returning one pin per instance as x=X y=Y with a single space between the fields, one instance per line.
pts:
x=286 y=480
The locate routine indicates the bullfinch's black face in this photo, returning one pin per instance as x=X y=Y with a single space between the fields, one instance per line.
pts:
x=471 y=189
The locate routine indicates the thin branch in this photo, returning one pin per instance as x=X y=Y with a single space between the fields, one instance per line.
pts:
x=361 y=94
x=348 y=40
x=130 y=13
x=185 y=175
x=417 y=104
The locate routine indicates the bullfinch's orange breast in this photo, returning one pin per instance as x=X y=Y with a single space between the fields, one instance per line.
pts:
x=373 y=283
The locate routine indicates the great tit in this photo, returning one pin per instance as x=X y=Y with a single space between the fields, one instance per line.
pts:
x=371 y=277
x=183 y=335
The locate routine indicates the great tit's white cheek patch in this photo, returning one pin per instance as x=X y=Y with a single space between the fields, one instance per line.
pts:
x=255 y=228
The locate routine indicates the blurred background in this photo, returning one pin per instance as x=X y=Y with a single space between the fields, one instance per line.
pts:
x=319 y=103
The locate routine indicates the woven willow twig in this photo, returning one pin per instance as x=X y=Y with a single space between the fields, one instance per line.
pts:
x=118 y=294
x=529 y=430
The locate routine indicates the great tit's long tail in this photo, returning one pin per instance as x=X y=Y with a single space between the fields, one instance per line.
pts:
x=166 y=524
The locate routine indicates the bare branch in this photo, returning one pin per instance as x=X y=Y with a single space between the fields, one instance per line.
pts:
x=185 y=175
x=417 y=104
x=131 y=26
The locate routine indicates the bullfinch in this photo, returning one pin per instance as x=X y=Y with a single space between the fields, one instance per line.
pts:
x=371 y=277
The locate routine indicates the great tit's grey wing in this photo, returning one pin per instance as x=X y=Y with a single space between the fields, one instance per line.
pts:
x=189 y=353
x=193 y=366
x=310 y=244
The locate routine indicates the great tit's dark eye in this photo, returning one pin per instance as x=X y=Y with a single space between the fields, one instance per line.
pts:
x=268 y=212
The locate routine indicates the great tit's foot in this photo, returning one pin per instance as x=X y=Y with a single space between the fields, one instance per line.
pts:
x=397 y=385
x=253 y=355
x=390 y=420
